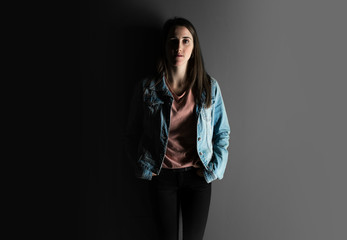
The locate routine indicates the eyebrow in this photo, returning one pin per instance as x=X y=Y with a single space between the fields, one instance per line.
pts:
x=182 y=37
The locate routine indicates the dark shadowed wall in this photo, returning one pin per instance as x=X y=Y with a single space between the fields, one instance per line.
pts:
x=281 y=66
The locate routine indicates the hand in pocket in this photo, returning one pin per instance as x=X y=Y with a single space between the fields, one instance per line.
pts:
x=200 y=172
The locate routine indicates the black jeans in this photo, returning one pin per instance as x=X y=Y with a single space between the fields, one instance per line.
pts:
x=172 y=191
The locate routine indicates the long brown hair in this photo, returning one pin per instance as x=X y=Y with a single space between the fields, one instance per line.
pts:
x=200 y=80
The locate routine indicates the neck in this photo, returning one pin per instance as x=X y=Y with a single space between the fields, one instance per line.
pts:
x=178 y=76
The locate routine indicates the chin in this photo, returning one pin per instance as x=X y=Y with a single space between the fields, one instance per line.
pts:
x=177 y=64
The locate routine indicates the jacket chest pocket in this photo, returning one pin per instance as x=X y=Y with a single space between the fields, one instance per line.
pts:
x=152 y=119
x=152 y=108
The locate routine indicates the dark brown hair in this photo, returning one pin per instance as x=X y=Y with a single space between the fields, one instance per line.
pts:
x=200 y=80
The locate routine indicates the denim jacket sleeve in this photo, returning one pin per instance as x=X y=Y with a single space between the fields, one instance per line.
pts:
x=220 y=138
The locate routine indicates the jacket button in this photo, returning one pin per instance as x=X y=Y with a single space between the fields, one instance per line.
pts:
x=199 y=138
x=200 y=153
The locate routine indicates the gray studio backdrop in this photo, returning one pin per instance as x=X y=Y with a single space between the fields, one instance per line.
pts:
x=282 y=67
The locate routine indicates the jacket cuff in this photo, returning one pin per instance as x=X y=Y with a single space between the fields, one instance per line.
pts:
x=209 y=176
x=144 y=173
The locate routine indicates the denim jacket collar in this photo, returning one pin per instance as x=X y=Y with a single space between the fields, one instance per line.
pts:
x=160 y=87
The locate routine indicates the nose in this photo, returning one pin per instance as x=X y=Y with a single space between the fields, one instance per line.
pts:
x=179 y=47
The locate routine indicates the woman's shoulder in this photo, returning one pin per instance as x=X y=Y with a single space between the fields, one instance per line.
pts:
x=214 y=84
x=215 y=88
x=149 y=81
x=213 y=80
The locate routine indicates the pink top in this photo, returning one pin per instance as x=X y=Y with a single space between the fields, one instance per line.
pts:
x=181 y=148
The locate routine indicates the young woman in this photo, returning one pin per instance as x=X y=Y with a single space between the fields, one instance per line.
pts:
x=181 y=134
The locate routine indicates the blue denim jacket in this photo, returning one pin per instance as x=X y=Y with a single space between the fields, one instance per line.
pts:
x=148 y=129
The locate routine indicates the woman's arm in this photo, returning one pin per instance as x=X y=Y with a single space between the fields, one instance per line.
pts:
x=220 y=139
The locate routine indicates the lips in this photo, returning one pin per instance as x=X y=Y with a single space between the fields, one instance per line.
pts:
x=178 y=55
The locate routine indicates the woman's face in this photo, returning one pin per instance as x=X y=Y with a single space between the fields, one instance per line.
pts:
x=179 y=46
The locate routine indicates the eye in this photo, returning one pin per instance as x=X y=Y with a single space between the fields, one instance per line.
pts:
x=185 y=41
x=173 y=41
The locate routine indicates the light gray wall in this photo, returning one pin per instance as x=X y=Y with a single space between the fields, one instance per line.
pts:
x=282 y=67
